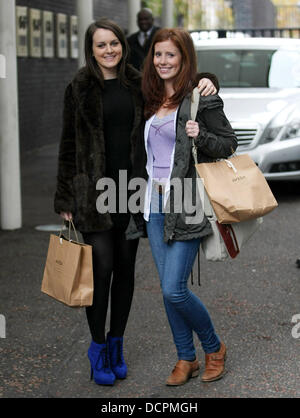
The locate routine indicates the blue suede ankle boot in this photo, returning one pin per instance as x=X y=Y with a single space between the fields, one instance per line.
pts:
x=100 y=364
x=115 y=348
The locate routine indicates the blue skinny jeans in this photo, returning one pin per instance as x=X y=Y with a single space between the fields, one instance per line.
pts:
x=185 y=311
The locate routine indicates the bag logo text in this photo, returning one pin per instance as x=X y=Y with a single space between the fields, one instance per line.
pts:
x=238 y=178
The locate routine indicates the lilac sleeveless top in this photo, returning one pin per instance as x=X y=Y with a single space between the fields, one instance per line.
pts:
x=161 y=139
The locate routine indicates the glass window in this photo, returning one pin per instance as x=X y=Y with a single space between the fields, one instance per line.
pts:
x=237 y=68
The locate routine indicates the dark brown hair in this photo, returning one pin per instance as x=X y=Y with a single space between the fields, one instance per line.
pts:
x=153 y=85
x=91 y=64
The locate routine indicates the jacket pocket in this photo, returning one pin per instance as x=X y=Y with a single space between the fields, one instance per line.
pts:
x=191 y=220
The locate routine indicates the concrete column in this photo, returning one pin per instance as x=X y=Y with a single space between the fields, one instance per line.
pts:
x=134 y=6
x=85 y=13
x=168 y=13
x=10 y=184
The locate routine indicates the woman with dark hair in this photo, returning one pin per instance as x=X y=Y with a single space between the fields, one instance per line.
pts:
x=103 y=116
x=168 y=79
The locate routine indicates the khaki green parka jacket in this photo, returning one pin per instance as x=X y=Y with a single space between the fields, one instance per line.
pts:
x=216 y=140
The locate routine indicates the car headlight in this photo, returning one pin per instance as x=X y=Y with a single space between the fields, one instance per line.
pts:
x=270 y=134
x=288 y=131
x=292 y=130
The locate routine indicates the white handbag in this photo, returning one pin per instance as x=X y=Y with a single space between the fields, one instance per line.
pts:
x=225 y=240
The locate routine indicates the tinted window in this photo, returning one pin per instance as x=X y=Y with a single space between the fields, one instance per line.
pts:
x=237 y=68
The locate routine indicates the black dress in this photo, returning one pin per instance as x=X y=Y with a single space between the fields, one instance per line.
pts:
x=118 y=116
x=113 y=255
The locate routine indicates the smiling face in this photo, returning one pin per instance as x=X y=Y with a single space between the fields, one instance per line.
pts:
x=167 y=60
x=107 y=50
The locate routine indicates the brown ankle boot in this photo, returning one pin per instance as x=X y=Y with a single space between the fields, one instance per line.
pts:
x=182 y=372
x=214 y=365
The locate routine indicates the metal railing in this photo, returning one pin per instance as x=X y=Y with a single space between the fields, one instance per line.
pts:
x=288 y=15
x=253 y=33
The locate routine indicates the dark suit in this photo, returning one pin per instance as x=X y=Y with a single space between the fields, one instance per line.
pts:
x=137 y=52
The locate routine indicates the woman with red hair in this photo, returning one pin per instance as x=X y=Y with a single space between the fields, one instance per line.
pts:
x=169 y=76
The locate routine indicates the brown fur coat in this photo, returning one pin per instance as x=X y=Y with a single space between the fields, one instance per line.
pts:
x=82 y=149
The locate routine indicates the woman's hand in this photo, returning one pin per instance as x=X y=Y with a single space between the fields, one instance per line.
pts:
x=192 y=129
x=206 y=87
x=67 y=216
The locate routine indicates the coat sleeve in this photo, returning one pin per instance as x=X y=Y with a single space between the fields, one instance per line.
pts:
x=64 y=197
x=216 y=138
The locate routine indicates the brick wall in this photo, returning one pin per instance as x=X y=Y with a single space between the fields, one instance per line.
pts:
x=42 y=81
x=58 y=6
x=116 y=10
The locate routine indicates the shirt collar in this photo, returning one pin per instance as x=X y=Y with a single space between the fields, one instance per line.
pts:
x=148 y=32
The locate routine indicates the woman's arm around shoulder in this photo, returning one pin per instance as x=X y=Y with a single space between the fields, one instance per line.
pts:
x=205 y=82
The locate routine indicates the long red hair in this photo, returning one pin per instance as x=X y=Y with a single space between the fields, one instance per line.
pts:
x=153 y=86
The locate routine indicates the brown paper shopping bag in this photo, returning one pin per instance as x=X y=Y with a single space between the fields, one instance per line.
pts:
x=68 y=274
x=237 y=189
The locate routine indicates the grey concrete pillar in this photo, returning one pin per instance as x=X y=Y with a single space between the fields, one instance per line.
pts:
x=167 y=13
x=85 y=13
x=134 y=6
x=10 y=183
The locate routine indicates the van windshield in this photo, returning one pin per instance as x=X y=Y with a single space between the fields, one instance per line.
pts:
x=251 y=68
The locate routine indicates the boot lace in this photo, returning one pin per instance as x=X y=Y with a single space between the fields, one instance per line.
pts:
x=119 y=352
x=103 y=354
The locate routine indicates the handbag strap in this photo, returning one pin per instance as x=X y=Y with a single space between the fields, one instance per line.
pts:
x=194 y=109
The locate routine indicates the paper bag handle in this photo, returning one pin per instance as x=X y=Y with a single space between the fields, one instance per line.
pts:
x=74 y=229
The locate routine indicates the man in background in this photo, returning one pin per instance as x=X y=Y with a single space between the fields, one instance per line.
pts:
x=140 y=41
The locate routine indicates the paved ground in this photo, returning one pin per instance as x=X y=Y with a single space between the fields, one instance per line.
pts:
x=251 y=299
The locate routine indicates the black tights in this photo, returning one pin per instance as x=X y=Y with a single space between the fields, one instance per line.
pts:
x=114 y=256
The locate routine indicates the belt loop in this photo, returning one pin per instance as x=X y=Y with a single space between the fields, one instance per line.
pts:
x=159 y=187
